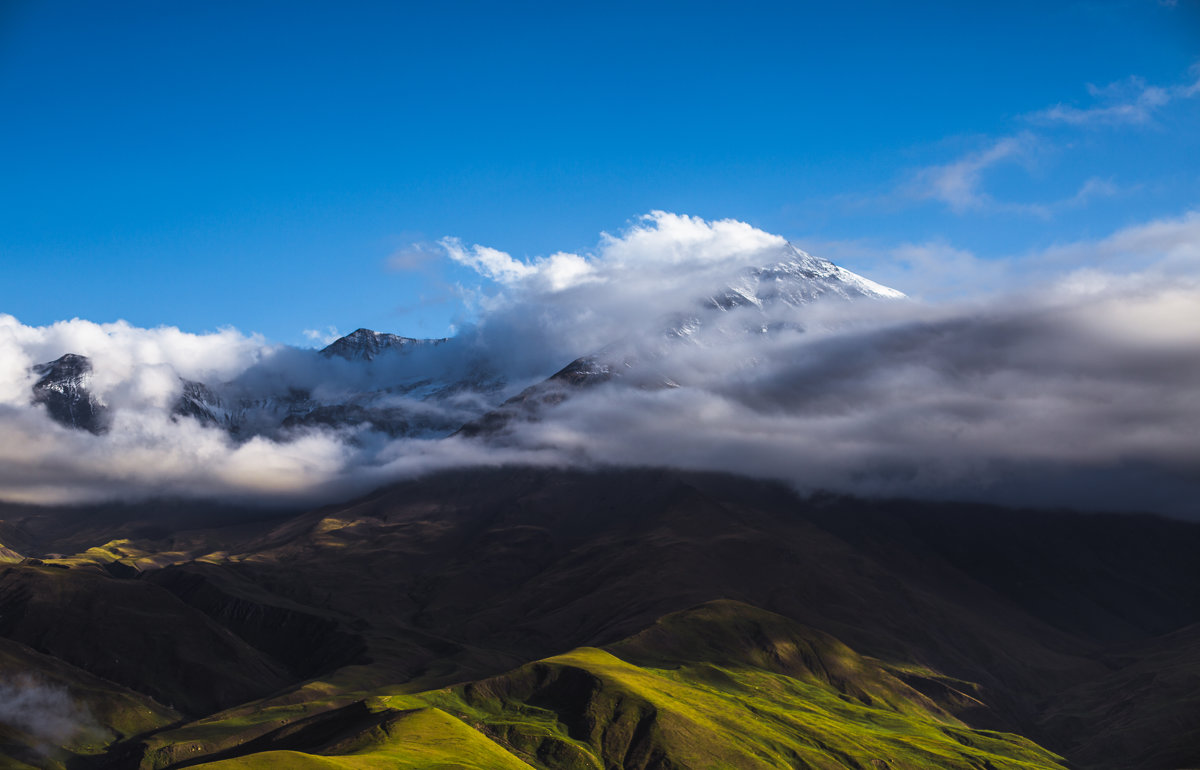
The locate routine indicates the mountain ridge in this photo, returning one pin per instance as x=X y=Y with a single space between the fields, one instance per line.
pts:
x=401 y=386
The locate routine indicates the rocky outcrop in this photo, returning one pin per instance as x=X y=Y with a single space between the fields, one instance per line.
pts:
x=63 y=390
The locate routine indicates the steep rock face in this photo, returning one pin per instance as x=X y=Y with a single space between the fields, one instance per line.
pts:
x=365 y=345
x=199 y=401
x=63 y=389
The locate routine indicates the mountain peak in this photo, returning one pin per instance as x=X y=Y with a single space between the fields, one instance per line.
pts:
x=68 y=365
x=365 y=344
x=63 y=388
x=798 y=278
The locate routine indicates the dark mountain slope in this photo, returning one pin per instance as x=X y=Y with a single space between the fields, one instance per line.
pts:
x=135 y=634
x=365 y=344
x=1103 y=577
x=992 y=614
x=1145 y=712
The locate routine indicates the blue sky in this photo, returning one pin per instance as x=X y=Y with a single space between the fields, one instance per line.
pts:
x=268 y=165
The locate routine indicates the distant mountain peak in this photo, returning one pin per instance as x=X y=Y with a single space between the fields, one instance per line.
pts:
x=365 y=344
x=798 y=278
x=63 y=388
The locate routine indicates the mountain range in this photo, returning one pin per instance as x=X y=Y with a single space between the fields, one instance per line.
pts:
x=519 y=616
x=401 y=386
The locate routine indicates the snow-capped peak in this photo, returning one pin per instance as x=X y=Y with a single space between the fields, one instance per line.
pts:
x=797 y=278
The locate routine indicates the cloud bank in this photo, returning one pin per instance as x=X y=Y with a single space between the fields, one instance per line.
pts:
x=1077 y=386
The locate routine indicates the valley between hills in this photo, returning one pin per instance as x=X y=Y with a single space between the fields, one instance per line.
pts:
x=518 y=617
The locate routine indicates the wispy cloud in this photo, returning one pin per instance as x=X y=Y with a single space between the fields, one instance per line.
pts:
x=1090 y=190
x=417 y=255
x=1154 y=252
x=46 y=713
x=322 y=337
x=1160 y=250
x=557 y=271
x=1128 y=102
x=959 y=184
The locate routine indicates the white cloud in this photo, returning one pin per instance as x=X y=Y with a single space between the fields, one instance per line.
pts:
x=662 y=238
x=322 y=338
x=552 y=309
x=1084 y=368
x=1085 y=401
x=959 y=184
x=1161 y=249
x=129 y=361
x=655 y=241
x=493 y=263
x=1154 y=252
x=1131 y=101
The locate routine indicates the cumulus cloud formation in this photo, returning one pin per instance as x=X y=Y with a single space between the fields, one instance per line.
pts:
x=1076 y=385
x=662 y=264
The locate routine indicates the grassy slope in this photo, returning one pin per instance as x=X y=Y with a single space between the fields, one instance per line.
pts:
x=722 y=685
x=728 y=685
x=421 y=738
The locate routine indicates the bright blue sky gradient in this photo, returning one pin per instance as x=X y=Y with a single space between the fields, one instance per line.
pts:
x=204 y=164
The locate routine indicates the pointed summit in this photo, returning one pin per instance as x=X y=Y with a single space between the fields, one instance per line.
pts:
x=798 y=278
x=365 y=345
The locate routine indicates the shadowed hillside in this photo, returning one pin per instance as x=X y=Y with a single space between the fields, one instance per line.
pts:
x=963 y=618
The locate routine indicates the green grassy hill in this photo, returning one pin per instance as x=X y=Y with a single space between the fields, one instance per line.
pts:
x=723 y=685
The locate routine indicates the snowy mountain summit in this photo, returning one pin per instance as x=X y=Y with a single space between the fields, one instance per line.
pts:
x=757 y=302
x=797 y=279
